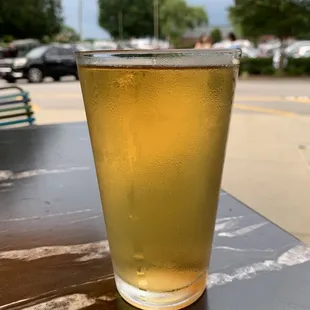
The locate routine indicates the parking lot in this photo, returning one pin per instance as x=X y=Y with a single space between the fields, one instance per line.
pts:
x=286 y=98
x=268 y=155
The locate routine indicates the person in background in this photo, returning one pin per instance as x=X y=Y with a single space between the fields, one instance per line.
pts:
x=232 y=39
x=204 y=42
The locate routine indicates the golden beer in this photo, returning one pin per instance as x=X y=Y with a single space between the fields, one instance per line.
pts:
x=158 y=136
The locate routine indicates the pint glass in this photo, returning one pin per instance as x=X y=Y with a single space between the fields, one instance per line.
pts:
x=158 y=122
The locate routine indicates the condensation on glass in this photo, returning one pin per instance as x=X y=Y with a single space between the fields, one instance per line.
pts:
x=158 y=122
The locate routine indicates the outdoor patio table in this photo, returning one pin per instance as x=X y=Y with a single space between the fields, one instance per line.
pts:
x=53 y=248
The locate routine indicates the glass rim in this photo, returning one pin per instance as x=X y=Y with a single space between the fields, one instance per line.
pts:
x=232 y=51
x=180 y=58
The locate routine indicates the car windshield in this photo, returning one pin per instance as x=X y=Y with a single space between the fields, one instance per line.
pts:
x=22 y=53
x=37 y=52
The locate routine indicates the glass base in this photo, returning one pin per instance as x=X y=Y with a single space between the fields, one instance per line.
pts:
x=167 y=300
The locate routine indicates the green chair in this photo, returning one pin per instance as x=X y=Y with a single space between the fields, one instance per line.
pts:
x=15 y=107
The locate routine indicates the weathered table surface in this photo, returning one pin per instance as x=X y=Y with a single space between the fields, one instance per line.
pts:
x=53 y=248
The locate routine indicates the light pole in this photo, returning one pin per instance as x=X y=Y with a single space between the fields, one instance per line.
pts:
x=156 y=18
x=80 y=19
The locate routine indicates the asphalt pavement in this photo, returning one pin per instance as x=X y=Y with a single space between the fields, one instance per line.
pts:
x=268 y=155
x=283 y=97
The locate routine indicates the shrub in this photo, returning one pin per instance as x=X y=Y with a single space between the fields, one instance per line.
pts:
x=298 y=67
x=264 y=66
x=257 y=66
x=7 y=39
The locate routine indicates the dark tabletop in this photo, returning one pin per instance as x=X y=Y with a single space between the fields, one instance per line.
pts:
x=53 y=248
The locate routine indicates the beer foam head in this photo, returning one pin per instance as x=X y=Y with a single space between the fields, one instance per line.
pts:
x=161 y=58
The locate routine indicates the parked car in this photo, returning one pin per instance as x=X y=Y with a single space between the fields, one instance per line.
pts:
x=82 y=47
x=124 y=45
x=303 y=52
x=295 y=50
x=306 y=54
x=251 y=52
x=5 y=52
x=22 y=47
x=269 y=48
x=104 y=45
x=53 y=61
x=18 y=48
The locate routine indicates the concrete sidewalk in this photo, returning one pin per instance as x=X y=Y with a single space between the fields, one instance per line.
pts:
x=268 y=170
x=44 y=117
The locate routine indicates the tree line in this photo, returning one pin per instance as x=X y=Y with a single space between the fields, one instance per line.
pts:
x=30 y=19
x=280 y=18
x=123 y=19
x=126 y=18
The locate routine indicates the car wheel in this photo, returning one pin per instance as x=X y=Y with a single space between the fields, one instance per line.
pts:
x=10 y=80
x=56 y=78
x=35 y=75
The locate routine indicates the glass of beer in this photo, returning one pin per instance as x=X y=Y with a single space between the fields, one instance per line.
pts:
x=158 y=123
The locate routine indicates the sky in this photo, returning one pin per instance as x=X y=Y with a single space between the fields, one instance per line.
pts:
x=216 y=10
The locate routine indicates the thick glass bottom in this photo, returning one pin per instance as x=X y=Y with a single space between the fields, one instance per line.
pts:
x=166 y=300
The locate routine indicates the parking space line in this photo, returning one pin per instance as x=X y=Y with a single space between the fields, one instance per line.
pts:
x=301 y=99
x=264 y=110
x=35 y=107
x=259 y=98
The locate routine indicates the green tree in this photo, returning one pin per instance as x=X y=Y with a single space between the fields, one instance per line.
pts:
x=216 y=35
x=126 y=18
x=234 y=19
x=281 y=18
x=30 y=18
x=175 y=17
x=67 y=35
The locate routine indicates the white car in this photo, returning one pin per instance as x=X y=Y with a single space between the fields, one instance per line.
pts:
x=104 y=45
x=303 y=52
x=294 y=48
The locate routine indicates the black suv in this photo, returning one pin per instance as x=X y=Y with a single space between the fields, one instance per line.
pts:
x=53 y=61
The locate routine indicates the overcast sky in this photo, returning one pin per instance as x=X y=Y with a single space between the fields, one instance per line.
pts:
x=215 y=8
